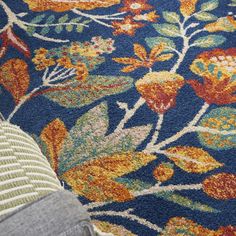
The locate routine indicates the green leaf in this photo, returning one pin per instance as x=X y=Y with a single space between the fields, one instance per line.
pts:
x=76 y=20
x=210 y=5
x=209 y=41
x=185 y=202
x=69 y=28
x=50 y=19
x=222 y=119
x=171 y=17
x=205 y=16
x=87 y=140
x=167 y=29
x=93 y=88
x=152 y=41
x=59 y=29
x=63 y=19
x=45 y=30
x=79 y=28
x=31 y=30
x=38 y=19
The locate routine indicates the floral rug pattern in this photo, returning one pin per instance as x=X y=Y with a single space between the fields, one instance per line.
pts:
x=132 y=101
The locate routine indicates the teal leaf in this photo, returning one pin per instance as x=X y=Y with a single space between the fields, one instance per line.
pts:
x=31 y=30
x=45 y=30
x=222 y=119
x=87 y=140
x=50 y=19
x=210 y=5
x=185 y=202
x=38 y=19
x=209 y=41
x=63 y=19
x=152 y=41
x=169 y=30
x=205 y=16
x=93 y=88
x=171 y=17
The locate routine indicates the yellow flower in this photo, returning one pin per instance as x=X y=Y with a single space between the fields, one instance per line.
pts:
x=187 y=7
x=65 y=62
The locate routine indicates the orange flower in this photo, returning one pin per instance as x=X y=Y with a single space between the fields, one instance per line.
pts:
x=63 y=5
x=65 y=62
x=217 y=67
x=150 y=16
x=160 y=89
x=187 y=7
x=135 y=6
x=81 y=71
x=143 y=59
x=127 y=26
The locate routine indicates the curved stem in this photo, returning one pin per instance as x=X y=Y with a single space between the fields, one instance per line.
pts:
x=22 y=101
x=126 y=214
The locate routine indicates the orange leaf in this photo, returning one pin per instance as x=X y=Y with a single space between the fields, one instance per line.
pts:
x=62 y=5
x=54 y=135
x=131 y=68
x=221 y=186
x=179 y=226
x=164 y=57
x=157 y=50
x=192 y=159
x=126 y=60
x=140 y=51
x=96 y=188
x=14 y=76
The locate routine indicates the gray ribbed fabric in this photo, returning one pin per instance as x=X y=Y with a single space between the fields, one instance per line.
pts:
x=58 y=214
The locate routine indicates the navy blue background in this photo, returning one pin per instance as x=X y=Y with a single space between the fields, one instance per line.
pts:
x=39 y=111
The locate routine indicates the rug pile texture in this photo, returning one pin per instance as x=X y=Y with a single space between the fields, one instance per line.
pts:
x=132 y=102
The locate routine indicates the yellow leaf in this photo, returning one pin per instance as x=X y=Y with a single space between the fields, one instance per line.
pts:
x=187 y=7
x=128 y=69
x=66 y=5
x=54 y=135
x=116 y=230
x=179 y=226
x=118 y=164
x=157 y=50
x=192 y=159
x=140 y=51
x=164 y=57
x=14 y=76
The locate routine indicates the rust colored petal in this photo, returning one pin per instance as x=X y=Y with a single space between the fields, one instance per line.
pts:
x=160 y=89
x=221 y=186
x=163 y=172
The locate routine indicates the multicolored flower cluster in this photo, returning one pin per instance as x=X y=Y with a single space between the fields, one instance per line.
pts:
x=83 y=57
x=137 y=12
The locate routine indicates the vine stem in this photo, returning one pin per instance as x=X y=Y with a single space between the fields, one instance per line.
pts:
x=126 y=214
x=169 y=188
x=12 y=19
x=188 y=129
x=157 y=130
x=98 y=18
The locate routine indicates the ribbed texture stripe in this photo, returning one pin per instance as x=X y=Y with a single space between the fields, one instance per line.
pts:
x=25 y=174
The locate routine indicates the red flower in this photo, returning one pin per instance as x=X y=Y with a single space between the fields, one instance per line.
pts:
x=135 y=6
x=217 y=68
x=127 y=26
x=160 y=89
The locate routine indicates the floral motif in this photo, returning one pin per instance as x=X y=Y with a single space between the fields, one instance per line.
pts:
x=217 y=68
x=135 y=6
x=160 y=89
x=187 y=7
x=227 y=24
x=143 y=59
x=127 y=26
